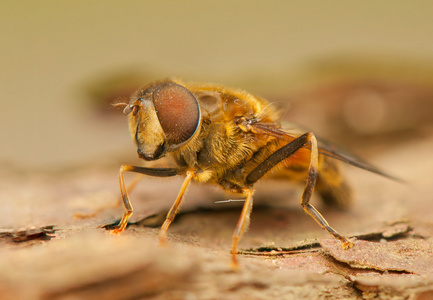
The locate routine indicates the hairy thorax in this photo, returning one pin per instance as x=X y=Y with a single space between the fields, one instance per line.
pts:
x=222 y=148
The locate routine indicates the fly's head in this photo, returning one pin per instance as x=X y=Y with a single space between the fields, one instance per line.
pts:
x=162 y=117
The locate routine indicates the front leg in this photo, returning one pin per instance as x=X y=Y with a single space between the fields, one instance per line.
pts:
x=163 y=172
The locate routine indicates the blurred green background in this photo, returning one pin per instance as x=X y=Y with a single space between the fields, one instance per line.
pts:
x=62 y=62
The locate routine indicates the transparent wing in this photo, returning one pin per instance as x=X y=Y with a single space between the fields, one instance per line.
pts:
x=291 y=131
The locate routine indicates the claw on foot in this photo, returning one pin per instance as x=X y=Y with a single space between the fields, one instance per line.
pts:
x=347 y=245
x=235 y=266
x=116 y=231
x=162 y=242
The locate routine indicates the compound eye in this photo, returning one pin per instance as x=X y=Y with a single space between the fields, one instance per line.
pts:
x=178 y=112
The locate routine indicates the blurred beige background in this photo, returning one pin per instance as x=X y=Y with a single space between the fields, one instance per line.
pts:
x=54 y=52
x=360 y=73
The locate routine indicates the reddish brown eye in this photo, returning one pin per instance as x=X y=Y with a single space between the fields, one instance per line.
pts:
x=178 y=112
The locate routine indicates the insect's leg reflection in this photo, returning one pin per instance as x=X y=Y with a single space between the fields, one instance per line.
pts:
x=163 y=172
x=243 y=223
x=175 y=208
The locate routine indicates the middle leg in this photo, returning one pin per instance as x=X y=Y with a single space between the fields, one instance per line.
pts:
x=175 y=208
x=243 y=223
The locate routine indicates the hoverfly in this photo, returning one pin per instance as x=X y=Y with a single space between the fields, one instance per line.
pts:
x=231 y=138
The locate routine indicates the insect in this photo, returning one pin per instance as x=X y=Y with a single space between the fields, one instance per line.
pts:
x=231 y=138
